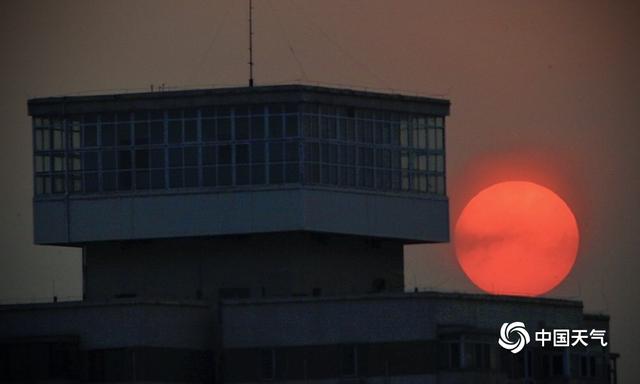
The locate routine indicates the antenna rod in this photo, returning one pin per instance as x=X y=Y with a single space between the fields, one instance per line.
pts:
x=251 y=43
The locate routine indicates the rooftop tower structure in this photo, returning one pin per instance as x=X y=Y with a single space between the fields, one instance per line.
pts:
x=261 y=191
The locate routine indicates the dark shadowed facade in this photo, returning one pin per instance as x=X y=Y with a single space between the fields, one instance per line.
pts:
x=256 y=234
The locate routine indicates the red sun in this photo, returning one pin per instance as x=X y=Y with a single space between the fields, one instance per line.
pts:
x=516 y=238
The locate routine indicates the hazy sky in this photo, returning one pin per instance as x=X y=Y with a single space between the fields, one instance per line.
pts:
x=541 y=91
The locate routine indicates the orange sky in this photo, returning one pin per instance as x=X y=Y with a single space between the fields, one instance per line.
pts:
x=540 y=91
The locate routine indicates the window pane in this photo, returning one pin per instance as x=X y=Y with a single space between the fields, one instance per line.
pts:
x=275 y=126
x=142 y=180
x=91 y=182
x=258 y=152
x=258 y=174
x=276 y=175
x=242 y=174
x=224 y=129
x=90 y=161
x=312 y=173
x=58 y=184
x=175 y=131
x=124 y=159
x=291 y=125
x=312 y=152
x=124 y=181
x=242 y=154
x=141 y=133
x=275 y=152
x=209 y=155
x=156 y=158
x=224 y=175
x=191 y=156
x=109 y=160
x=242 y=128
x=90 y=136
x=208 y=130
x=191 y=131
x=209 y=176
x=142 y=159
x=175 y=178
x=291 y=151
x=291 y=173
x=157 y=179
x=109 y=181
x=108 y=135
x=257 y=127
x=175 y=157
x=157 y=132
x=224 y=154
x=124 y=134
x=191 y=178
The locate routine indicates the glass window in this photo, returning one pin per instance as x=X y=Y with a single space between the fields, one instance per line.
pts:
x=242 y=175
x=191 y=155
x=109 y=181
x=175 y=131
x=157 y=179
x=291 y=151
x=291 y=124
x=141 y=129
x=258 y=152
x=224 y=175
x=142 y=180
x=209 y=176
x=108 y=160
x=275 y=152
x=242 y=153
x=156 y=158
x=208 y=130
x=176 y=179
x=258 y=175
x=242 y=128
x=124 y=159
x=224 y=129
x=124 y=180
x=156 y=132
x=191 y=177
x=209 y=155
x=276 y=175
x=108 y=135
x=257 y=127
x=91 y=182
x=90 y=161
x=224 y=154
x=191 y=131
x=89 y=136
x=175 y=157
x=124 y=134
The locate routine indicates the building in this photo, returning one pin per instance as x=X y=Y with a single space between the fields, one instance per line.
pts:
x=256 y=234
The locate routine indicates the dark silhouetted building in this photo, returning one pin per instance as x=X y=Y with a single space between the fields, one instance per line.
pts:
x=255 y=234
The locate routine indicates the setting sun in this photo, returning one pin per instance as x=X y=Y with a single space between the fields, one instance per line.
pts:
x=516 y=238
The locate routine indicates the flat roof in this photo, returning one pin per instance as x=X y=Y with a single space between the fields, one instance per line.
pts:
x=429 y=295
x=193 y=98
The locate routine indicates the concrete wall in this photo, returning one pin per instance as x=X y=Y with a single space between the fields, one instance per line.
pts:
x=113 y=325
x=265 y=265
x=232 y=212
x=383 y=319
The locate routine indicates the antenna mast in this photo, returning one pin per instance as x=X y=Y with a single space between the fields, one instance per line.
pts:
x=251 y=43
